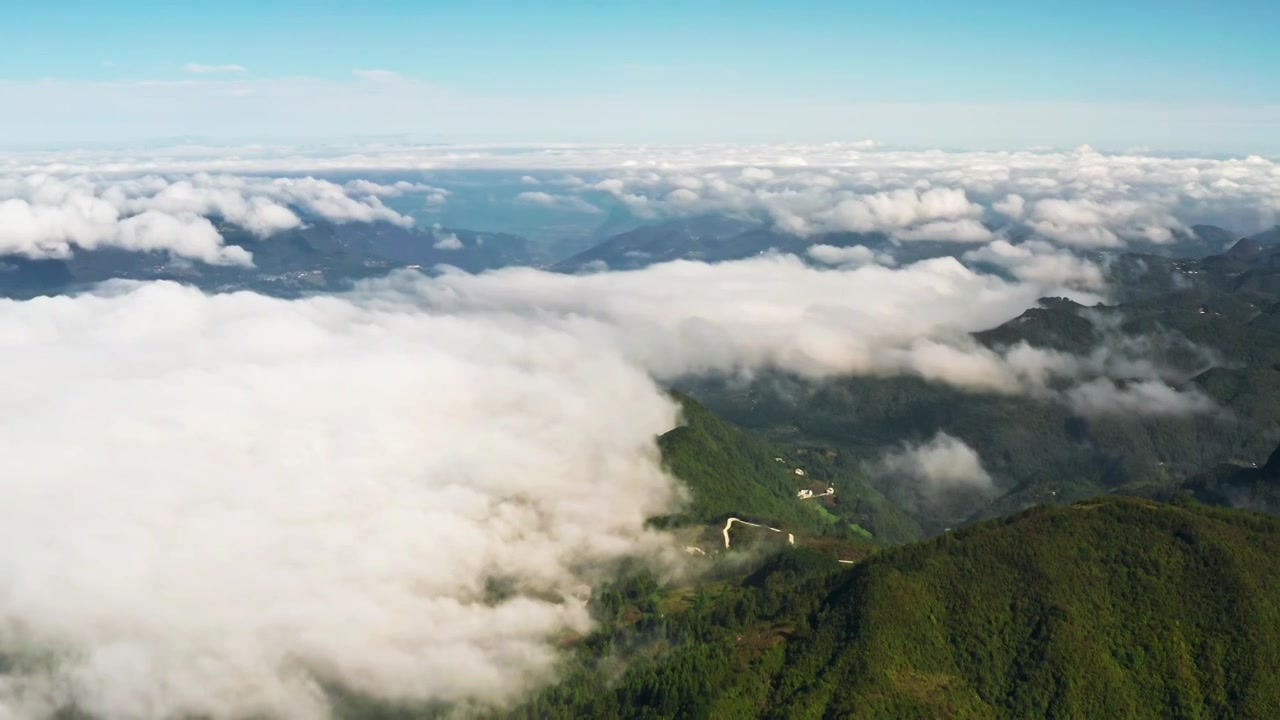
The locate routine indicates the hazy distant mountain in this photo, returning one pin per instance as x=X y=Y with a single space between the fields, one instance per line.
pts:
x=317 y=256
x=1268 y=237
x=1241 y=487
x=707 y=237
x=716 y=238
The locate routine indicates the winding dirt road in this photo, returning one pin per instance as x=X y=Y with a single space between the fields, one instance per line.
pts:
x=729 y=523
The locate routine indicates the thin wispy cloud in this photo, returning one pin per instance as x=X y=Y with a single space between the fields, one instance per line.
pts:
x=207 y=69
x=652 y=68
x=376 y=74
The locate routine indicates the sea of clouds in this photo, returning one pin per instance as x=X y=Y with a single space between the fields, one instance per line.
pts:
x=216 y=503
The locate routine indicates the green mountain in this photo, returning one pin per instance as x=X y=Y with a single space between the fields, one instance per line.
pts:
x=317 y=256
x=1236 y=486
x=731 y=472
x=1117 y=607
x=1214 y=322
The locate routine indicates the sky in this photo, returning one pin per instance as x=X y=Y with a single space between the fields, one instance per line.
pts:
x=1180 y=76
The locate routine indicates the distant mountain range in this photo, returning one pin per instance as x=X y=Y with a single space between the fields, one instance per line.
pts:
x=716 y=238
x=320 y=255
x=323 y=255
x=1047 y=452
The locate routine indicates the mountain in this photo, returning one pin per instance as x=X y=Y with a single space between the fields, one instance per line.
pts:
x=717 y=238
x=1245 y=249
x=1235 y=486
x=1213 y=238
x=319 y=255
x=731 y=472
x=706 y=237
x=1214 y=322
x=1115 y=607
x=1268 y=237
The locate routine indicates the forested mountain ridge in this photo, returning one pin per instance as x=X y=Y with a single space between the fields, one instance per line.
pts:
x=1211 y=324
x=317 y=256
x=730 y=472
x=1115 y=607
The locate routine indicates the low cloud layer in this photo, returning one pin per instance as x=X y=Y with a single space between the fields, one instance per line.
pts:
x=774 y=311
x=777 y=312
x=943 y=463
x=1103 y=396
x=214 y=501
x=267 y=494
x=43 y=215
x=1075 y=200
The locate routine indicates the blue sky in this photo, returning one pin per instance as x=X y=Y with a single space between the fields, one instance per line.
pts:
x=637 y=70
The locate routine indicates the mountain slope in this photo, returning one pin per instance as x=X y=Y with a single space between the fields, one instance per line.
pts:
x=1110 y=608
x=707 y=237
x=733 y=473
x=1245 y=488
x=320 y=255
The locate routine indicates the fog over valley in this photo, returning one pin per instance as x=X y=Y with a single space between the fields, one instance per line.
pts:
x=435 y=361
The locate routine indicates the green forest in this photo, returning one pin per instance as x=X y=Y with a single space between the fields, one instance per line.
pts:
x=1117 y=607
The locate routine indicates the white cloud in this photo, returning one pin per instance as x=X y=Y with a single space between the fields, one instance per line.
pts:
x=265 y=493
x=942 y=463
x=855 y=256
x=537 y=197
x=1042 y=263
x=43 y=215
x=960 y=231
x=1092 y=223
x=1104 y=396
x=1098 y=200
x=199 y=68
x=899 y=209
x=448 y=241
x=52 y=231
x=378 y=75
x=1012 y=206
x=770 y=311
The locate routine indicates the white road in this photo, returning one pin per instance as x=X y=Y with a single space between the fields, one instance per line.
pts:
x=729 y=523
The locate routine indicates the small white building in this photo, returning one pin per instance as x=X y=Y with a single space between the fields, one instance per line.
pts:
x=800 y=471
x=805 y=494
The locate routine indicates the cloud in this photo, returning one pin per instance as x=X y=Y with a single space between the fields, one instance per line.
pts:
x=45 y=231
x=898 y=209
x=1092 y=223
x=1042 y=263
x=848 y=256
x=378 y=75
x=448 y=241
x=50 y=216
x=771 y=311
x=1104 y=396
x=205 y=69
x=942 y=463
x=682 y=318
x=266 y=494
x=1011 y=206
x=537 y=197
x=1099 y=200
x=960 y=231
